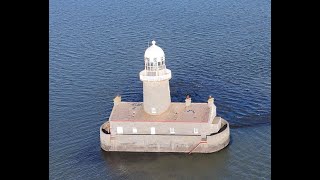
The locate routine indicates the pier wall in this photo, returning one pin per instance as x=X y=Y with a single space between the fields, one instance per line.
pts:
x=165 y=143
x=180 y=128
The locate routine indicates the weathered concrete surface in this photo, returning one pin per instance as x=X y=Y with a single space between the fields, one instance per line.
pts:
x=164 y=128
x=156 y=97
x=177 y=112
x=165 y=143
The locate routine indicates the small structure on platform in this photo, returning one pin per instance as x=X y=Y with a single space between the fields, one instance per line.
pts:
x=159 y=125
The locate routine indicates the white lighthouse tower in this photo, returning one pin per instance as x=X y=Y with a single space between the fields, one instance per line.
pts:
x=155 y=78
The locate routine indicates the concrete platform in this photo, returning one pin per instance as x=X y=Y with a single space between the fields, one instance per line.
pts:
x=166 y=143
x=177 y=112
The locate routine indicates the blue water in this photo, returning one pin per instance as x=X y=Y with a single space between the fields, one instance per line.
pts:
x=213 y=47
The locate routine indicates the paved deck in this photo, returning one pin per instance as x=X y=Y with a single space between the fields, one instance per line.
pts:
x=177 y=112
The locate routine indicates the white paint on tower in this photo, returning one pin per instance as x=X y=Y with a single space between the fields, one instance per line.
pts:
x=155 y=78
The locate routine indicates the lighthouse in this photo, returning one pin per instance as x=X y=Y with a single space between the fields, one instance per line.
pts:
x=159 y=125
x=155 y=78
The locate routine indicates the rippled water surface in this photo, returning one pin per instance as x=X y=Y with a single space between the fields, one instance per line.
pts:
x=213 y=47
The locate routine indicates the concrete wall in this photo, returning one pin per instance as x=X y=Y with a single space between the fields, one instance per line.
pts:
x=218 y=141
x=182 y=128
x=165 y=143
x=212 y=113
x=156 y=95
x=105 y=140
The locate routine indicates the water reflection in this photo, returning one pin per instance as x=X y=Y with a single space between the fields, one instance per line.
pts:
x=176 y=165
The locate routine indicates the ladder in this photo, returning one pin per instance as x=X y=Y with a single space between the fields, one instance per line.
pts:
x=196 y=146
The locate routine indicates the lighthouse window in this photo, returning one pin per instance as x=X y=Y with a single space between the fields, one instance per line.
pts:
x=195 y=130
x=172 y=131
x=153 y=130
x=153 y=110
x=134 y=130
x=119 y=130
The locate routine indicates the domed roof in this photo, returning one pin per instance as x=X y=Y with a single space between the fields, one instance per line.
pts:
x=154 y=51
